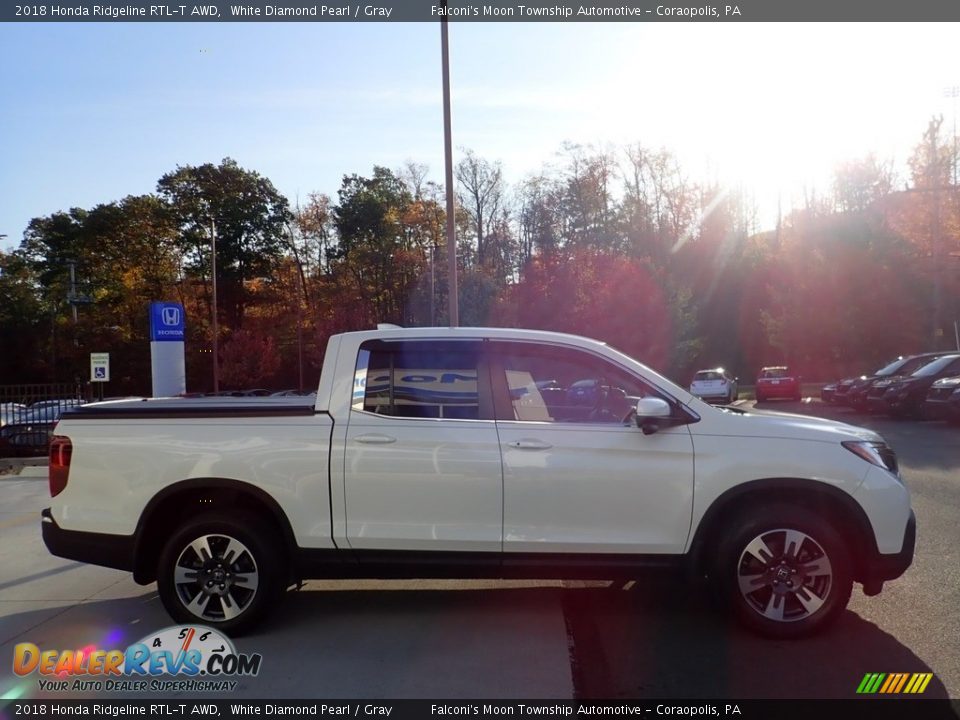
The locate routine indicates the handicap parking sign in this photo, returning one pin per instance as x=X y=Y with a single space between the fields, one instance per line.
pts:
x=100 y=367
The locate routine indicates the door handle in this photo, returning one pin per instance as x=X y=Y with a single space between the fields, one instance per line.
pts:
x=531 y=444
x=375 y=439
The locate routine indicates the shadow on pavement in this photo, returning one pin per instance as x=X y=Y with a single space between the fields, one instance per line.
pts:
x=661 y=641
x=651 y=641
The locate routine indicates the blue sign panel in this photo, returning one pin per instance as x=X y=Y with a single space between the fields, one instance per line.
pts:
x=166 y=322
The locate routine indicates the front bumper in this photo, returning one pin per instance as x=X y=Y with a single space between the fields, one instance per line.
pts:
x=877 y=405
x=112 y=551
x=877 y=567
x=778 y=391
x=935 y=409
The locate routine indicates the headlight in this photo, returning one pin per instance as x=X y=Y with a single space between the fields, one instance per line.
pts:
x=874 y=452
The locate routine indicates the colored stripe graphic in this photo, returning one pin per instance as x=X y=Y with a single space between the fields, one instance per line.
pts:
x=903 y=681
x=894 y=683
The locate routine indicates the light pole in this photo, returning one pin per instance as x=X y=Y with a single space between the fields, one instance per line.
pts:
x=448 y=163
x=954 y=92
x=216 y=330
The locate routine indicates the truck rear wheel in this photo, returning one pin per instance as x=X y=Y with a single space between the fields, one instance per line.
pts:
x=785 y=571
x=220 y=570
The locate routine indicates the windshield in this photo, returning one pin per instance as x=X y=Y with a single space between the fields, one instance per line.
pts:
x=891 y=368
x=776 y=372
x=936 y=366
x=707 y=375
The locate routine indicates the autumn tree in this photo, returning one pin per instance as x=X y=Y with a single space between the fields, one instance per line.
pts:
x=586 y=201
x=858 y=184
x=537 y=218
x=481 y=194
x=248 y=359
x=121 y=256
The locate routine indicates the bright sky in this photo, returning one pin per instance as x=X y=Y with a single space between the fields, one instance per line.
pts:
x=93 y=112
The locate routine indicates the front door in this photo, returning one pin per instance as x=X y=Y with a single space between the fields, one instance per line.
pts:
x=579 y=476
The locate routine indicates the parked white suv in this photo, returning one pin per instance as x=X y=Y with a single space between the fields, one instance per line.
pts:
x=477 y=452
x=715 y=384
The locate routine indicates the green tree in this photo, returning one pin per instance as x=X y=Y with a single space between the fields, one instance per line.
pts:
x=250 y=217
x=376 y=251
x=24 y=325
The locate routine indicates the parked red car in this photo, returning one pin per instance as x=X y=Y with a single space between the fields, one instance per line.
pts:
x=777 y=382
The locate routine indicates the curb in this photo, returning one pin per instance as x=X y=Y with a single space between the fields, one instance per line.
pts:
x=23 y=468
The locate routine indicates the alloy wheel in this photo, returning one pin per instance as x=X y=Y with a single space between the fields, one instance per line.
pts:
x=784 y=575
x=216 y=577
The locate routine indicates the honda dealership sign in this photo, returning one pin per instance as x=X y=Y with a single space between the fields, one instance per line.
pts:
x=167 y=332
x=166 y=322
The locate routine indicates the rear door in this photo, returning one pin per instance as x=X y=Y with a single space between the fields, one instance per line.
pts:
x=422 y=464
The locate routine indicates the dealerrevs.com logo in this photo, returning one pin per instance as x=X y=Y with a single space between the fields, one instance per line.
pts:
x=206 y=659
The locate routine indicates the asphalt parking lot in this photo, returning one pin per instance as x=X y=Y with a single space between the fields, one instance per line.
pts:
x=653 y=638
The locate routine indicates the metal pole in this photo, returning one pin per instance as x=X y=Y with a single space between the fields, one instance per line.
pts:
x=300 y=334
x=448 y=162
x=433 y=283
x=216 y=329
x=73 y=290
x=954 y=92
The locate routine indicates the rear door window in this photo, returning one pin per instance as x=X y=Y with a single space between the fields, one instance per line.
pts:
x=422 y=379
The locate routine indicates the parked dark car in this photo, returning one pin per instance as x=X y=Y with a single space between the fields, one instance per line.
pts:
x=937 y=405
x=46 y=411
x=258 y=392
x=953 y=407
x=842 y=388
x=905 y=396
x=10 y=412
x=777 y=382
x=25 y=439
x=858 y=396
x=828 y=393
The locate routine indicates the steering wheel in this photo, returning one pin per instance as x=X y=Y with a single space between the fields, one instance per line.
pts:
x=607 y=404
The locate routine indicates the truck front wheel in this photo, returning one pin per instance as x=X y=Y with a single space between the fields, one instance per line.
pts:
x=221 y=571
x=785 y=571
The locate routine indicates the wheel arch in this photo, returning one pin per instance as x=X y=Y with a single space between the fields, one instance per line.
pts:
x=840 y=507
x=187 y=498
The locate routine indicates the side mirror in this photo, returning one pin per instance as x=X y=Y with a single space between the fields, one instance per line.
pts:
x=650 y=412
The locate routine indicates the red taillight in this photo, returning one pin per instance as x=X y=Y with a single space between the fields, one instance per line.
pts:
x=61 y=450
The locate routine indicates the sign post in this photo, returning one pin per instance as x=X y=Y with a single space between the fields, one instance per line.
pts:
x=167 y=332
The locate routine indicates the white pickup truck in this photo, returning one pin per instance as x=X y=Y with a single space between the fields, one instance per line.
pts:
x=471 y=452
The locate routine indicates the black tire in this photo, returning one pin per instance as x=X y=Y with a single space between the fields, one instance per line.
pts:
x=760 y=398
x=252 y=552
x=810 y=593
